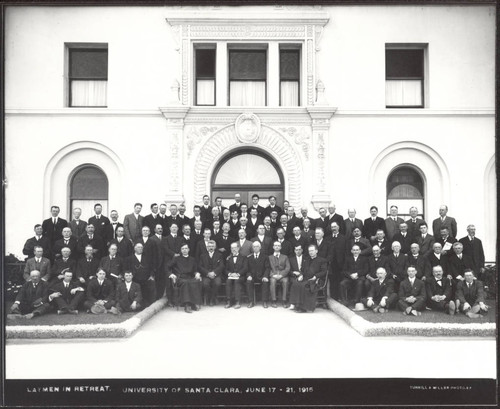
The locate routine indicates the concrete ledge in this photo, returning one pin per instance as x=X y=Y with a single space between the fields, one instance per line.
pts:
x=421 y=329
x=120 y=330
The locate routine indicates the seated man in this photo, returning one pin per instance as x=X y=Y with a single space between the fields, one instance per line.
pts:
x=421 y=263
x=470 y=296
x=112 y=264
x=355 y=270
x=279 y=268
x=124 y=245
x=38 y=263
x=100 y=291
x=411 y=294
x=211 y=267
x=439 y=290
x=128 y=295
x=258 y=272
x=236 y=269
x=381 y=241
x=363 y=243
x=184 y=274
x=143 y=273
x=61 y=264
x=33 y=298
x=375 y=261
x=304 y=290
x=87 y=266
x=67 y=240
x=381 y=296
x=398 y=262
x=458 y=262
x=67 y=294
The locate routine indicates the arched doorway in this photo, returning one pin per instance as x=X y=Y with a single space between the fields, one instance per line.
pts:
x=405 y=188
x=88 y=186
x=247 y=171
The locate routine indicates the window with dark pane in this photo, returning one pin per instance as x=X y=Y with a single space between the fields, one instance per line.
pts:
x=404 y=73
x=88 y=186
x=247 y=77
x=88 y=77
x=205 y=76
x=405 y=188
x=289 y=77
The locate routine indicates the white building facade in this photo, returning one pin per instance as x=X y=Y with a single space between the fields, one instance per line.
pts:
x=356 y=105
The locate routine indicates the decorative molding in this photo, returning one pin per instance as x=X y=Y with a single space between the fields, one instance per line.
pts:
x=247 y=127
x=195 y=135
x=270 y=140
x=232 y=31
x=300 y=137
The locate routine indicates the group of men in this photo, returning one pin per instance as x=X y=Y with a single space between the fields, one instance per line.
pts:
x=126 y=266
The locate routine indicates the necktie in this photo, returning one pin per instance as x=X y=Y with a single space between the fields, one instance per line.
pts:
x=439 y=282
x=256 y=257
x=66 y=285
x=66 y=242
x=234 y=259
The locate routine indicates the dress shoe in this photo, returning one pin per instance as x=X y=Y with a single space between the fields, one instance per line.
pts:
x=29 y=316
x=237 y=305
x=451 y=308
x=264 y=304
x=228 y=305
x=382 y=310
x=74 y=312
x=407 y=311
x=273 y=304
x=416 y=313
x=250 y=305
x=114 y=311
x=195 y=307
x=376 y=309
x=187 y=308
x=471 y=314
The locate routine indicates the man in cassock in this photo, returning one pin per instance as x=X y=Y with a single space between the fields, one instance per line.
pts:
x=183 y=271
x=304 y=290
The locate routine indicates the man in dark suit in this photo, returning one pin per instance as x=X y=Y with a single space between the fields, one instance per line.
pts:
x=67 y=294
x=283 y=224
x=223 y=240
x=132 y=223
x=372 y=224
x=218 y=205
x=171 y=219
x=322 y=243
x=304 y=217
x=125 y=247
x=322 y=221
x=404 y=238
x=235 y=207
x=439 y=291
x=38 y=263
x=257 y=206
x=285 y=246
x=87 y=266
x=298 y=239
x=160 y=274
x=187 y=238
x=375 y=261
x=470 y=296
x=183 y=219
x=52 y=227
x=392 y=223
x=114 y=224
x=100 y=291
x=473 y=247
x=445 y=240
x=352 y=223
x=398 y=263
x=234 y=223
x=62 y=264
x=444 y=220
x=412 y=294
x=458 y=262
x=211 y=267
x=100 y=222
x=112 y=264
x=338 y=245
x=297 y=262
x=307 y=231
x=128 y=295
x=381 y=296
x=266 y=242
x=205 y=209
x=382 y=242
x=76 y=225
x=236 y=269
x=424 y=240
x=437 y=259
x=152 y=219
x=150 y=254
x=354 y=271
x=33 y=298
x=420 y=262
x=363 y=243
x=67 y=241
x=171 y=245
x=258 y=272
x=272 y=206
x=196 y=236
x=143 y=268
x=414 y=222
x=95 y=241
x=162 y=217
x=292 y=220
x=333 y=216
x=279 y=268
x=202 y=245
x=38 y=240
x=253 y=222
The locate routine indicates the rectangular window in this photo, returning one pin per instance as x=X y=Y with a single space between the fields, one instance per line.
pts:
x=247 y=77
x=88 y=76
x=205 y=75
x=404 y=74
x=289 y=77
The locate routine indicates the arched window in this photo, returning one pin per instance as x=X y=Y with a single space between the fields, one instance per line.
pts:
x=247 y=172
x=405 y=188
x=89 y=185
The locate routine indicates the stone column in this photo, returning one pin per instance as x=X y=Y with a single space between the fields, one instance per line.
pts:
x=174 y=160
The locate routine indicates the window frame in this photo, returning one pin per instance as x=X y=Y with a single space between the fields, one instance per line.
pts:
x=204 y=46
x=69 y=47
x=424 y=79
x=291 y=48
x=391 y=185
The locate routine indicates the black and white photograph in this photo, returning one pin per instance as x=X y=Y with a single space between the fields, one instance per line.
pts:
x=249 y=204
